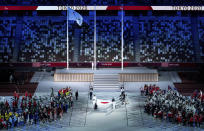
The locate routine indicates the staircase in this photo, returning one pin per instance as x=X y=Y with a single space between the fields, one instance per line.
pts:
x=174 y=77
x=76 y=41
x=39 y=76
x=106 y=82
x=18 y=38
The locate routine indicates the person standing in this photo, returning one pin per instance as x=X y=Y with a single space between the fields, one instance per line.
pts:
x=90 y=87
x=70 y=101
x=91 y=94
x=121 y=90
x=95 y=106
x=113 y=102
x=52 y=93
x=76 y=94
x=11 y=78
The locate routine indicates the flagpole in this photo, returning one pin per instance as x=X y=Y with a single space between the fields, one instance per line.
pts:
x=95 y=39
x=122 y=41
x=67 y=38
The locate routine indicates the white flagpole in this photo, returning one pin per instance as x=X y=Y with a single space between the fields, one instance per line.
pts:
x=122 y=41
x=67 y=38
x=95 y=39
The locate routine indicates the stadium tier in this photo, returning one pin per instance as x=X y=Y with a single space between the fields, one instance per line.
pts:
x=41 y=43
x=166 y=40
x=39 y=36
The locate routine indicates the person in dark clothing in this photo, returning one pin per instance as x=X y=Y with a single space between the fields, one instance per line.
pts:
x=76 y=94
x=95 y=106
x=91 y=94
x=113 y=99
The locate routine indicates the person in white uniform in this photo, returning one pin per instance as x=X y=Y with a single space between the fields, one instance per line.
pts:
x=113 y=103
x=94 y=99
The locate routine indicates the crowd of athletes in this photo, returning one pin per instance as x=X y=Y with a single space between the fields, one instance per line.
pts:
x=30 y=109
x=171 y=106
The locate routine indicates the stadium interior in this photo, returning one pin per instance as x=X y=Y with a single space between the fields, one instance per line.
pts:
x=162 y=50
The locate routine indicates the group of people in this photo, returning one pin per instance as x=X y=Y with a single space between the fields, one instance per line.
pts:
x=30 y=109
x=172 y=106
x=93 y=97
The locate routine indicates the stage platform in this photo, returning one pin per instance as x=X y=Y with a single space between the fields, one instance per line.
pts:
x=107 y=70
x=139 y=74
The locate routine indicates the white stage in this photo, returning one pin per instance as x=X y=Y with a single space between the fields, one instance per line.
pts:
x=139 y=74
x=107 y=70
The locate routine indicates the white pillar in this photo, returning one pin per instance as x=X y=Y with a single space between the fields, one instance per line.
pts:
x=95 y=39
x=67 y=38
x=122 y=42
